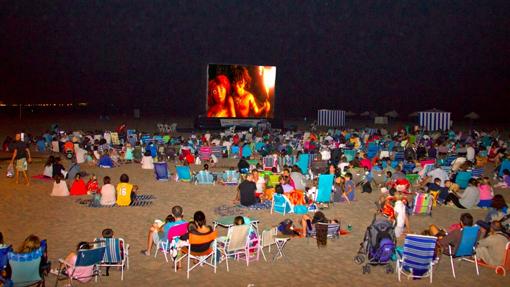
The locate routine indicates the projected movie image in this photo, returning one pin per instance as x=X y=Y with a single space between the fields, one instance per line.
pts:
x=240 y=91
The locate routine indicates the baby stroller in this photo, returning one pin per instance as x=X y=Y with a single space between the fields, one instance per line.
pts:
x=378 y=245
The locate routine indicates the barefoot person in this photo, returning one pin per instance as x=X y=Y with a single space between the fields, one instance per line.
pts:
x=244 y=101
x=20 y=153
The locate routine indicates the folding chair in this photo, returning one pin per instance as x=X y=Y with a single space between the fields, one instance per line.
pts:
x=184 y=173
x=503 y=267
x=417 y=259
x=25 y=268
x=116 y=254
x=161 y=171
x=333 y=229
x=349 y=154
x=231 y=177
x=466 y=247
x=324 y=188
x=173 y=233
x=235 y=244
x=379 y=177
x=504 y=165
x=204 y=153
x=204 y=177
x=281 y=204
x=303 y=163
x=477 y=172
x=201 y=257
x=268 y=238
x=85 y=258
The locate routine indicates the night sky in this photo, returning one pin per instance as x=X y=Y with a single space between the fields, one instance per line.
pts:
x=352 y=55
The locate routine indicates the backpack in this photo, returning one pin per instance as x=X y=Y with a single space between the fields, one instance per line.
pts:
x=284 y=227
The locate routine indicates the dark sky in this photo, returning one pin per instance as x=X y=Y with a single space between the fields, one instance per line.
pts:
x=353 y=55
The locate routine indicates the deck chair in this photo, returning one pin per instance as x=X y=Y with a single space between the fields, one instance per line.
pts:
x=417 y=259
x=324 y=188
x=408 y=167
x=189 y=252
x=303 y=163
x=246 y=151
x=115 y=255
x=477 y=172
x=235 y=244
x=379 y=177
x=349 y=154
x=462 y=178
x=25 y=268
x=267 y=239
x=161 y=171
x=503 y=268
x=85 y=257
x=173 y=233
x=231 y=177
x=423 y=203
x=504 y=165
x=466 y=247
x=270 y=161
x=204 y=153
x=358 y=175
x=184 y=173
x=372 y=150
x=234 y=152
x=413 y=178
x=333 y=229
x=281 y=204
x=274 y=179
x=399 y=156
x=217 y=151
x=204 y=177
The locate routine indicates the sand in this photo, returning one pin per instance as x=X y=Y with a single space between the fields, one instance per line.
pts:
x=63 y=222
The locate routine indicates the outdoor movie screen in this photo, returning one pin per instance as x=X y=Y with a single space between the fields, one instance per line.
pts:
x=240 y=91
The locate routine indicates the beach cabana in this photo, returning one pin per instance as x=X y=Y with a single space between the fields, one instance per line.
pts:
x=331 y=118
x=433 y=120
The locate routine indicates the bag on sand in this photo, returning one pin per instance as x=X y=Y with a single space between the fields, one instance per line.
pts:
x=10 y=170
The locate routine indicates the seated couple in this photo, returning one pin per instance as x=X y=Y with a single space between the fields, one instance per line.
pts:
x=307 y=224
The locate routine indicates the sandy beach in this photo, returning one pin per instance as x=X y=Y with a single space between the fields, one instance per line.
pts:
x=64 y=222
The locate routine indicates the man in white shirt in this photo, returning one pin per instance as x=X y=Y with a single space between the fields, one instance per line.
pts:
x=470 y=153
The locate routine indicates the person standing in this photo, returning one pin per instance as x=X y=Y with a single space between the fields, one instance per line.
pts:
x=21 y=153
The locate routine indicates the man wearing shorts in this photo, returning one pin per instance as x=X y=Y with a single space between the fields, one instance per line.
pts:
x=158 y=234
x=20 y=153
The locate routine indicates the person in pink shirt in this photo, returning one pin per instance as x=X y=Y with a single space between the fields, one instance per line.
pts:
x=82 y=273
x=486 y=193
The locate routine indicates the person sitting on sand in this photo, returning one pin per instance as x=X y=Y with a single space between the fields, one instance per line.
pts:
x=159 y=232
x=105 y=161
x=126 y=192
x=468 y=199
x=246 y=192
x=58 y=168
x=308 y=223
x=59 y=186
x=107 y=192
x=147 y=161
x=48 y=167
x=78 y=187
x=491 y=249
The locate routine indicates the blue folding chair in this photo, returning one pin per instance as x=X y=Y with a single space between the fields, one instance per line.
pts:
x=230 y=177
x=84 y=258
x=161 y=171
x=115 y=255
x=462 y=178
x=324 y=188
x=183 y=172
x=247 y=151
x=372 y=150
x=281 y=204
x=349 y=154
x=303 y=162
x=504 y=165
x=234 y=151
x=477 y=172
x=399 y=156
x=417 y=259
x=466 y=248
x=204 y=177
x=26 y=267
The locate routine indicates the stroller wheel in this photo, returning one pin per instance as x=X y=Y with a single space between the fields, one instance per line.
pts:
x=389 y=269
x=359 y=259
x=367 y=268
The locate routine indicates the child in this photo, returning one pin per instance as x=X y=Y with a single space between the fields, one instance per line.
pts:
x=92 y=185
x=107 y=192
x=400 y=215
x=59 y=186
x=78 y=186
x=486 y=193
x=128 y=153
x=312 y=191
x=506 y=180
x=349 y=188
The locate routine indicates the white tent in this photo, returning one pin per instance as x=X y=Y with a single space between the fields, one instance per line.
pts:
x=392 y=114
x=350 y=113
x=365 y=114
x=472 y=116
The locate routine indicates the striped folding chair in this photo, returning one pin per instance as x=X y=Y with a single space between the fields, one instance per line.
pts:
x=115 y=255
x=204 y=177
x=417 y=259
x=477 y=172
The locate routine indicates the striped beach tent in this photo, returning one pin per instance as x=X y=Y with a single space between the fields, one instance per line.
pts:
x=331 y=118
x=433 y=120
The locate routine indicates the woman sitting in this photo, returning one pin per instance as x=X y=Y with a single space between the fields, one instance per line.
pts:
x=59 y=186
x=78 y=187
x=308 y=224
x=81 y=273
x=147 y=161
x=107 y=192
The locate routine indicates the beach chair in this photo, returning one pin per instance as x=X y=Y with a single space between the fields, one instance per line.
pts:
x=234 y=152
x=399 y=156
x=183 y=173
x=217 y=151
x=477 y=172
x=267 y=239
x=84 y=258
x=372 y=150
x=324 y=188
x=303 y=163
x=333 y=230
x=270 y=161
x=246 y=151
x=408 y=167
x=173 y=233
x=201 y=258
x=235 y=244
x=358 y=175
x=349 y=154
x=231 y=177
x=423 y=203
x=466 y=248
x=204 y=177
x=116 y=254
x=417 y=259
x=26 y=268
x=379 y=177
x=281 y=204
x=274 y=179
x=204 y=153
x=161 y=171
x=462 y=178
x=413 y=178
x=500 y=269
x=504 y=165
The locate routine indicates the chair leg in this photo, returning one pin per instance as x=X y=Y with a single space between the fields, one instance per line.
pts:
x=476 y=265
x=263 y=255
x=398 y=270
x=453 y=267
x=431 y=270
x=226 y=261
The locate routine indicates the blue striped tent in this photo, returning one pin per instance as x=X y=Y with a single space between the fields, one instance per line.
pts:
x=331 y=118
x=434 y=120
